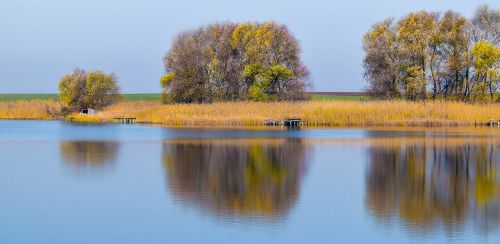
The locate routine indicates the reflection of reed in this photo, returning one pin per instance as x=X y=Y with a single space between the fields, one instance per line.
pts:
x=89 y=153
x=435 y=184
x=236 y=177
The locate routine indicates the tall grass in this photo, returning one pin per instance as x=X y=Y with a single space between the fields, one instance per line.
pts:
x=316 y=113
x=34 y=109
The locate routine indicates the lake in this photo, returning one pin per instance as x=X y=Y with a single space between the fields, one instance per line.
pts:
x=78 y=183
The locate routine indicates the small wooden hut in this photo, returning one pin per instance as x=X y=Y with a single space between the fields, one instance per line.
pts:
x=87 y=111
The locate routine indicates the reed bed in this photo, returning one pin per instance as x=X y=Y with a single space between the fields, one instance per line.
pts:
x=316 y=113
x=33 y=109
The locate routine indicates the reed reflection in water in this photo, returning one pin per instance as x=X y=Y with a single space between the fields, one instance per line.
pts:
x=85 y=155
x=236 y=178
x=431 y=184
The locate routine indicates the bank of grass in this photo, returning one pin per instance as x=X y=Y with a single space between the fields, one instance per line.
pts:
x=316 y=113
x=31 y=109
x=339 y=98
x=27 y=97
x=142 y=97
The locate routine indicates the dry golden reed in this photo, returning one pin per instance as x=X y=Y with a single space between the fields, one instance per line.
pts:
x=34 y=109
x=316 y=113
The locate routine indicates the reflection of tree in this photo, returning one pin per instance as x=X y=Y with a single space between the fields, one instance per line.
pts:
x=427 y=184
x=89 y=153
x=241 y=177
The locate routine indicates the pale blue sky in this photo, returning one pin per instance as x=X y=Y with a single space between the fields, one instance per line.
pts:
x=42 y=40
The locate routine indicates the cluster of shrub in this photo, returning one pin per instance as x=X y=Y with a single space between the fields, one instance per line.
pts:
x=428 y=55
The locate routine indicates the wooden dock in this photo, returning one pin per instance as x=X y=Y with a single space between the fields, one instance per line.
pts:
x=125 y=120
x=292 y=122
x=494 y=123
x=288 y=122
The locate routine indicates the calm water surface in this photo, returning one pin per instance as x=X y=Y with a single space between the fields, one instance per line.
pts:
x=70 y=183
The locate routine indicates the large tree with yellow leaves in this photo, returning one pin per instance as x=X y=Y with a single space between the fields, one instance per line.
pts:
x=432 y=55
x=234 y=62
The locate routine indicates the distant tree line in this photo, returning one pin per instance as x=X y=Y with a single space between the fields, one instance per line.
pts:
x=430 y=55
x=234 y=62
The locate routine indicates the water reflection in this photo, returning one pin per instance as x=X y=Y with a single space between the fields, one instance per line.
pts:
x=89 y=154
x=240 y=178
x=431 y=184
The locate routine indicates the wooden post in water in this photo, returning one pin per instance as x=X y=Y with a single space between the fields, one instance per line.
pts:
x=125 y=120
x=288 y=122
x=292 y=122
x=494 y=123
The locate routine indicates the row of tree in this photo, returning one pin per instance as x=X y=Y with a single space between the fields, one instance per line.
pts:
x=422 y=55
x=429 y=55
x=233 y=62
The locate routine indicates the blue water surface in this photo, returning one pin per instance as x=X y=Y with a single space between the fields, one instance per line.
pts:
x=86 y=183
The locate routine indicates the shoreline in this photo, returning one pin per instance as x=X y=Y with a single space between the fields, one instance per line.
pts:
x=333 y=114
x=409 y=125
